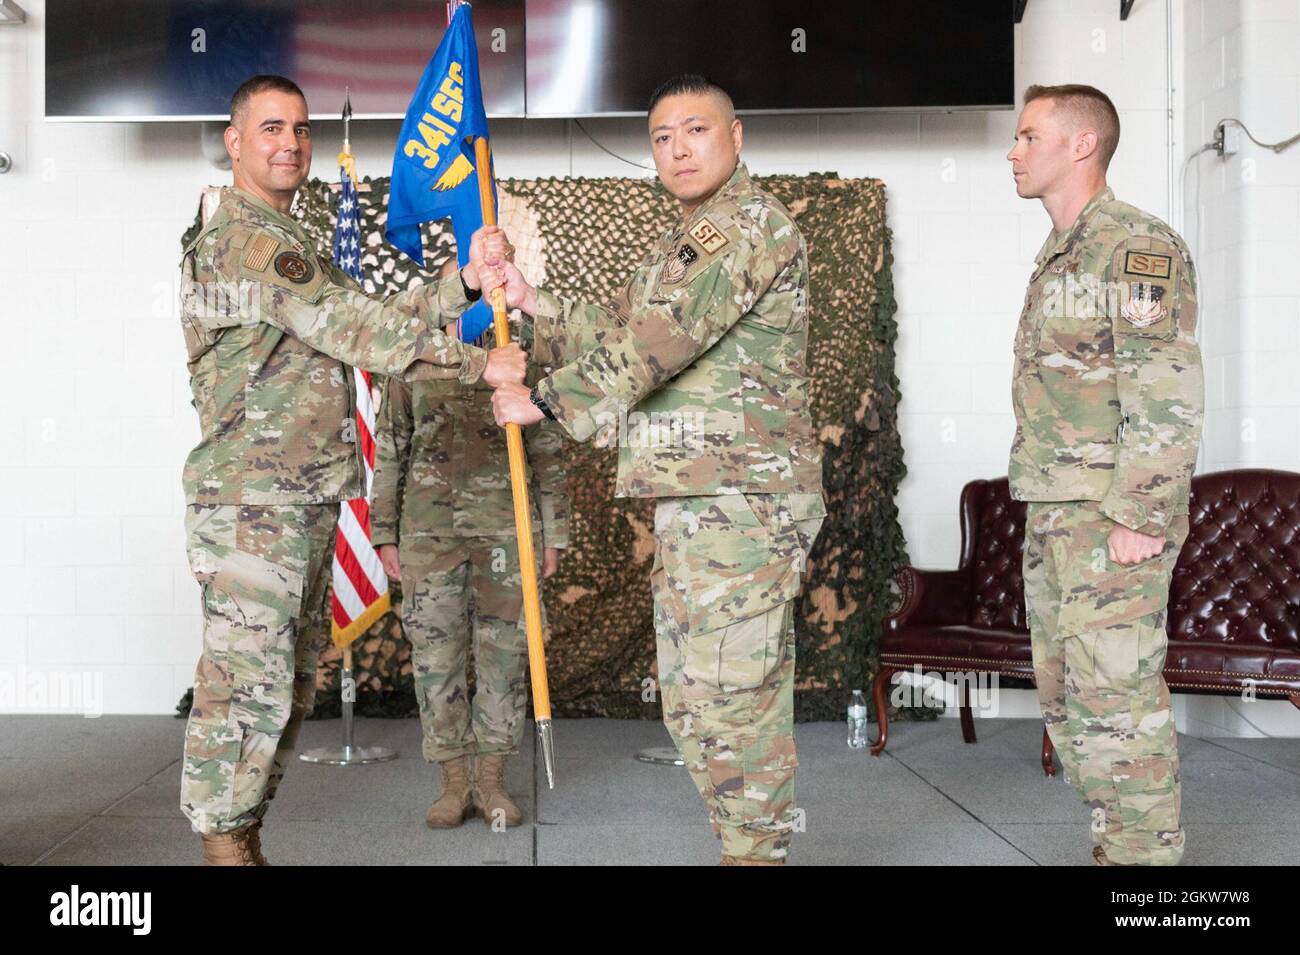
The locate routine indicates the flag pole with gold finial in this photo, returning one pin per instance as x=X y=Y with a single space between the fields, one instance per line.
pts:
x=350 y=754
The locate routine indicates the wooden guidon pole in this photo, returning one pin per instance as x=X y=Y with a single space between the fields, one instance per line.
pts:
x=519 y=487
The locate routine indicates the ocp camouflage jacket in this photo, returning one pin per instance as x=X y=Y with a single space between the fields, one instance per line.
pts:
x=271 y=328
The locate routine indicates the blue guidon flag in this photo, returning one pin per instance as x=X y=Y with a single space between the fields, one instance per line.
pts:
x=433 y=165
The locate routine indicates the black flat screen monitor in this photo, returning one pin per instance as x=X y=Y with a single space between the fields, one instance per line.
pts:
x=142 y=59
x=603 y=57
x=181 y=59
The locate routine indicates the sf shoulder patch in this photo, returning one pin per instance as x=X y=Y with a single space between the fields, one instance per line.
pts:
x=1149 y=279
x=294 y=267
x=1148 y=263
x=709 y=236
x=681 y=259
x=258 y=256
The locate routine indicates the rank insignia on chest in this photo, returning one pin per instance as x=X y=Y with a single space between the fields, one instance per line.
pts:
x=294 y=267
x=1145 y=306
x=683 y=258
x=709 y=236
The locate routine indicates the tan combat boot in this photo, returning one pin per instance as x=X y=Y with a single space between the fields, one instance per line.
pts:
x=456 y=803
x=490 y=791
x=240 y=847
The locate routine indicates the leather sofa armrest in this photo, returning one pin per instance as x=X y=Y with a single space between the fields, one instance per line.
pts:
x=931 y=598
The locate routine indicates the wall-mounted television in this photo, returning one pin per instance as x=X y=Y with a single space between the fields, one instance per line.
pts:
x=605 y=57
x=143 y=60
x=181 y=59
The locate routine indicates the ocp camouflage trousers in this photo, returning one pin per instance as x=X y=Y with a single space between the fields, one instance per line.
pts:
x=726 y=574
x=264 y=572
x=1098 y=637
x=458 y=594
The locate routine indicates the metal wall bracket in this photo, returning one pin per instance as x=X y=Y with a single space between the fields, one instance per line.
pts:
x=1125 y=7
x=11 y=14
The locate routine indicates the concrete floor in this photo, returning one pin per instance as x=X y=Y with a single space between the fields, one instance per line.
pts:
x=75 y=791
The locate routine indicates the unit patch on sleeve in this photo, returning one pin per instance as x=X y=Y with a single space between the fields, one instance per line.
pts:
x=1144 y=306
x=675 y=269
x=294 y=267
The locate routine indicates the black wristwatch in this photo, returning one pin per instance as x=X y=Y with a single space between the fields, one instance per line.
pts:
x=542 y=406
x=471 y=294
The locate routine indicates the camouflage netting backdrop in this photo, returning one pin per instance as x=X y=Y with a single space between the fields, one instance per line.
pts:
x=583 y=237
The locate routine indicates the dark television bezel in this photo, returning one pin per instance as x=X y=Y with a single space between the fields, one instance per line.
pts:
x=526 y=114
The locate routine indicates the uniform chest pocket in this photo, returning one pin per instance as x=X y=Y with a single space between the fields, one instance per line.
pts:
x=1057 y=299
x=1029 y=334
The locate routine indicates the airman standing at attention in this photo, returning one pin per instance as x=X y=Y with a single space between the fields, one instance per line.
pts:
x=1108 y=397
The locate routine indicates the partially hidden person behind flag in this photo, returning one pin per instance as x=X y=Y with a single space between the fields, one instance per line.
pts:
x=433 y=165
x=444 y=510
x=444 y=524
x=708 y=339
x=270 y=327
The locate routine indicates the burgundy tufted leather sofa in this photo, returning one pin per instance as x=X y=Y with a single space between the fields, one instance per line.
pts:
x=1234 y=602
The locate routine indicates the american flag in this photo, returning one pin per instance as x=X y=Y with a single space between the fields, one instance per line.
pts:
x=360 y=584
x=347 y=228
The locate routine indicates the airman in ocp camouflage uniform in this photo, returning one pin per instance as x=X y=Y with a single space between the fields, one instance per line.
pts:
x=270 y=327
x=1108 y=398
x=443 y=507
x=697 y=371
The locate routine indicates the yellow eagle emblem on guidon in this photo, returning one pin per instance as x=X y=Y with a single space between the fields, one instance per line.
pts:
x=457 y=173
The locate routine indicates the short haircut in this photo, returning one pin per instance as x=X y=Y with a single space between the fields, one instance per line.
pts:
x=689 y=83
x=258 y=84
x=1087 y=106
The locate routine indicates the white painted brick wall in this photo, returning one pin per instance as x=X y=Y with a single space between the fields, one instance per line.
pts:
x=92 y=565
x=1242 y=60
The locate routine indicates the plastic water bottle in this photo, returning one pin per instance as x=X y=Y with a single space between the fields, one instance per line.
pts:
x=858 y=721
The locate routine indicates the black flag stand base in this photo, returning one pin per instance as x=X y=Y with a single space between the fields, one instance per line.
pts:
x=349 y=754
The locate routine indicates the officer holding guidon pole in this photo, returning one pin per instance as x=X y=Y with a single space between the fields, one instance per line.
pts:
x=270 y=327
x=709 y=336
